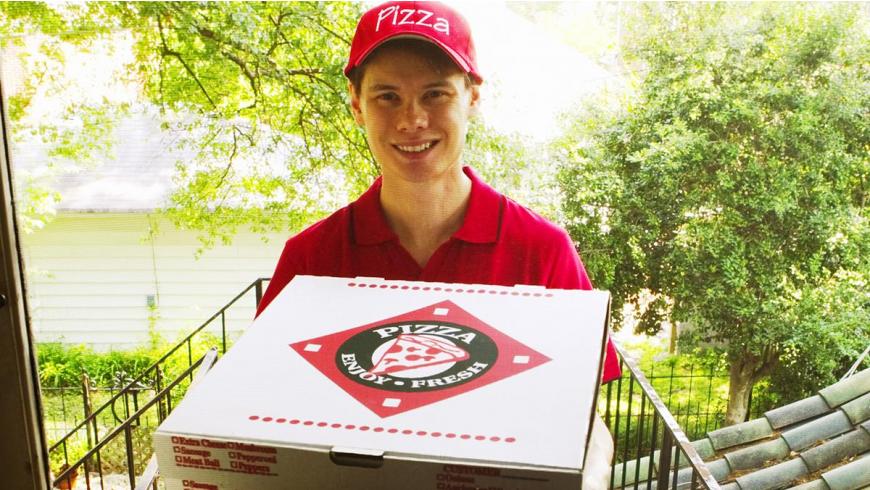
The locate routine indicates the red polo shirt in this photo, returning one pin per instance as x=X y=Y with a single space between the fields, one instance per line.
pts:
x=500 y=242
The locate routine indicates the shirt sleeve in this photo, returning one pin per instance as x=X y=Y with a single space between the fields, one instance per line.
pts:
x=285 y=271
x=566 y=268
x=567 y=272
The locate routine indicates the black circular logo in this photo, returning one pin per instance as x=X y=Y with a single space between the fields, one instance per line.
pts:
x=416 y=356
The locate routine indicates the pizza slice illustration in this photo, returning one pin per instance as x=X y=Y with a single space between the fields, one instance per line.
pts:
x=413 y=351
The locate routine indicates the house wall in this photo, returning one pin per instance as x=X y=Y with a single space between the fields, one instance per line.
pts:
x=89 y=277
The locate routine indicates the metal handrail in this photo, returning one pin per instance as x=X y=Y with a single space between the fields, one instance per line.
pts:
x=154 y=368
x=858 y=362
x=151 y=470
x=126 y=427
x=672 y=437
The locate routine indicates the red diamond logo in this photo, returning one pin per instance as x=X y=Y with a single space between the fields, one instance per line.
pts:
x=417 y=358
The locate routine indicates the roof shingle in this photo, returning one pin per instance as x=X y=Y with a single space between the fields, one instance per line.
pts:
x=819 y=443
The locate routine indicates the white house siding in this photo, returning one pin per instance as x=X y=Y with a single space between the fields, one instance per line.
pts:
x=89 y=275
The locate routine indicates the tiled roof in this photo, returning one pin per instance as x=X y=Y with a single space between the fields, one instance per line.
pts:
x=818 y=443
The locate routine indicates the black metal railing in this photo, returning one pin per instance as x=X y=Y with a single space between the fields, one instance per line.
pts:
x=91 y=465
x=693 y=392
x=128 y=399
x=651 y=451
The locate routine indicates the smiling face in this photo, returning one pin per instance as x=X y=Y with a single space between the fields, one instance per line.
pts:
x=414 y=105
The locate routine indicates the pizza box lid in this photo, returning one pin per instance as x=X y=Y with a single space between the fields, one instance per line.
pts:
x=491 y=374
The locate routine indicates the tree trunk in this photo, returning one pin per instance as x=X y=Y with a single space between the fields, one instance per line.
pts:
x=744 y=373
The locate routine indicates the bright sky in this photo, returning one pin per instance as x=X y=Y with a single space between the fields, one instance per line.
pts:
x=530 y=76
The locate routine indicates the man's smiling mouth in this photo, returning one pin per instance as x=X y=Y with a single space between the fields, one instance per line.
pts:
x=416 y=148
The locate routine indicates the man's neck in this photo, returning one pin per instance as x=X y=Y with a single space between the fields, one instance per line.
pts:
x=425 y=215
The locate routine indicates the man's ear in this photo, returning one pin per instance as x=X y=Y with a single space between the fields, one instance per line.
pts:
x=354 y=104
x=474 y=101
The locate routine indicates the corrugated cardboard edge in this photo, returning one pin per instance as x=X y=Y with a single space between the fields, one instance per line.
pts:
x=594 y=411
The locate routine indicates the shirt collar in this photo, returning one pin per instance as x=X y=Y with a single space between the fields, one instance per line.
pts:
x=481 y=223
x=483 y=216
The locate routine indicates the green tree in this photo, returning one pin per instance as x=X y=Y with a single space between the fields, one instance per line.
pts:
x=256 y=93
x=732 y=185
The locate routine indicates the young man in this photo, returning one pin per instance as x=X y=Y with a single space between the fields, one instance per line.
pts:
x=414 y=84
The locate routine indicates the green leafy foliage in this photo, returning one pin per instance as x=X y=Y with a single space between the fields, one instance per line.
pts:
x=733 y=185
x=63 y=365
x=829 y=326
x=65 y=402
x=256 y=91
x=75 y=130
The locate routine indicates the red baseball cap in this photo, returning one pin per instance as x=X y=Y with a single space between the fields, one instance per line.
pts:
x=431 y=21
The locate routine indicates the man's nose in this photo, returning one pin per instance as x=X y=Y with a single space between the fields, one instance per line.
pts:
x=413 y=117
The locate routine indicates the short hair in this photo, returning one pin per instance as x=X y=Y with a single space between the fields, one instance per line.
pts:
x=425 y=49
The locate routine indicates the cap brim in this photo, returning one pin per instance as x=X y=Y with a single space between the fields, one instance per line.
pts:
x=415 y=35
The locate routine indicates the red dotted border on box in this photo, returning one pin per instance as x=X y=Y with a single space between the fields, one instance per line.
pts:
x=468 y=290
x=383 y=430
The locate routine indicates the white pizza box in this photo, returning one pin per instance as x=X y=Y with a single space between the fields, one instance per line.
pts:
x=371 y=384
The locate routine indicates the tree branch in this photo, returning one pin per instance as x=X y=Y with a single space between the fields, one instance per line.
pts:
x=335 y=34
x=229 y=166
x=168 y=52
x=338 y=36
x=277 y=34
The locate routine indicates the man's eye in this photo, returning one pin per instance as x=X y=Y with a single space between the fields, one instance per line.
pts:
x=434 y=94
x=388 y=96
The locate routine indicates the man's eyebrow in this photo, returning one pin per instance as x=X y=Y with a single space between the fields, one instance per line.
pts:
x=386 y=86
x=383 y=86
x=438 y=84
